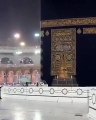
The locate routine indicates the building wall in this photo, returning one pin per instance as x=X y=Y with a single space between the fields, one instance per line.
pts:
x=11 y=75
x=16 y=58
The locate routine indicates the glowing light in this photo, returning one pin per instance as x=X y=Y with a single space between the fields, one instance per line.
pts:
x=37 y=34
x=37 y=51
x=19 y=52
x=18 y=116
x=22 y=44
x=17 y=35
x=37 y=116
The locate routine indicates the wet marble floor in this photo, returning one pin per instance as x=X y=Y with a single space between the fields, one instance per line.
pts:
x=15 y=109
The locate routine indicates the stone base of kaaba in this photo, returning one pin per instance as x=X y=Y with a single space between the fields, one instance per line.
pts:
x=64 y=83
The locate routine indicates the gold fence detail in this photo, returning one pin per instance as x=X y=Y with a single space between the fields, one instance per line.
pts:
x=68 y=22
x=91 y=30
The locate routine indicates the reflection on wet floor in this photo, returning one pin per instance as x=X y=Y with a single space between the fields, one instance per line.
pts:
x=12 y=109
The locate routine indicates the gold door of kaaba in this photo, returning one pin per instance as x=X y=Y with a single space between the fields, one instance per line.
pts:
x=63 y=52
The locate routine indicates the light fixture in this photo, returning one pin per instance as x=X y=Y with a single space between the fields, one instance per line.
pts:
x=17 y=35
x=37 y=35
x=22 y=44
x=19 y=52
x=37 y=51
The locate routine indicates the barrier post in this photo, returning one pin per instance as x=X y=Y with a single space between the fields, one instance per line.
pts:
x=0 y=93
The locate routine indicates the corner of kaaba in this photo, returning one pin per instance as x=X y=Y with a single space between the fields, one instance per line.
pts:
x=68 y=42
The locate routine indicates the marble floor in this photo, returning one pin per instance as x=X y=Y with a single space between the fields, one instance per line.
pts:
x=15 y=109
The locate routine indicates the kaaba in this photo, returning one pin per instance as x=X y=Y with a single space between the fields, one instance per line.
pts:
x=68 y=41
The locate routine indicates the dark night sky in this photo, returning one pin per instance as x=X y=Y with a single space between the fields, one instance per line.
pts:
x=54 y=9
x=21 y=16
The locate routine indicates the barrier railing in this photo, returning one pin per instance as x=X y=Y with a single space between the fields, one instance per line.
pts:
x=82 y=95
x=56 y=94
x=92 y=102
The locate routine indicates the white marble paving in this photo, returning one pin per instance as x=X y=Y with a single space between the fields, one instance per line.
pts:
x=15 y=109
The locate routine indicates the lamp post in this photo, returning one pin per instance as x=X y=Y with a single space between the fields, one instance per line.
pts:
x=37 y=35
x=15 y=39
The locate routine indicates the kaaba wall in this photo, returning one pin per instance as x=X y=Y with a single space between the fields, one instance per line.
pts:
x=80 y=18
